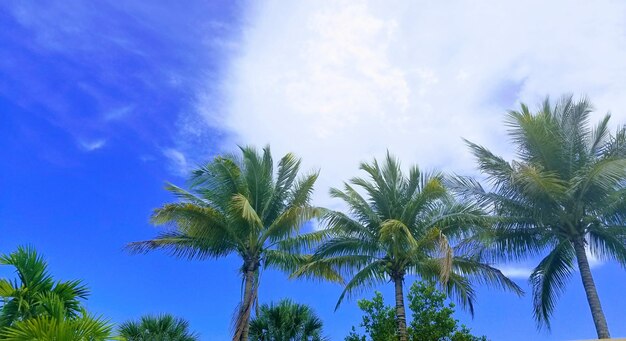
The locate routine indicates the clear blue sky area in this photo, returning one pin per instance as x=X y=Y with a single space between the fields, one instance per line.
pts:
x=91 y=92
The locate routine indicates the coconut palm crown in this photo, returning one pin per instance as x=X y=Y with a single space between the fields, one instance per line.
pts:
x=564 y=194
x=237 y=205
x=163 y=327
x=286 y=321
x=404 y=225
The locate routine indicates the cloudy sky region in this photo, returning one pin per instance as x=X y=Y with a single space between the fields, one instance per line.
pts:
x=103 y=101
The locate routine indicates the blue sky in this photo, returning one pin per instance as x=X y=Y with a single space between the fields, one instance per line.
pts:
x=101 y=102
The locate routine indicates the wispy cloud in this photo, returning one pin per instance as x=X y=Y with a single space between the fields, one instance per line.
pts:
x=128 y=83
x=516 y=272
x=118 y=113
x=178 y=161
x=92 y=145
x=342 y=82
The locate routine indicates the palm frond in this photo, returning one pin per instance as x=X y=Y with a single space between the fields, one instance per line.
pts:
x=241 y=206
x=185 y=195
x=606 y=175
x=496 y=168
x=357 y=205
x=285 y=261
x=87 y=327
x=302 y=190
x=367 y=277
x=346 y=245
x=397 y=235
x=183 y=246
x=599 y=136
x=457 y=287
x=340 y=223
x=288 y=168
x=302 y=242
x=539 y=184
x=609 y=243
x=615 y=147
x=549 y=279
x=160 y=327
x=323 y=269
x=219 y=179
x=482 y=273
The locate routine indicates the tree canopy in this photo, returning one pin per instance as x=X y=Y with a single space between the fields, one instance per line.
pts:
x=238 y=204
x=564 y=195
x=432 y=318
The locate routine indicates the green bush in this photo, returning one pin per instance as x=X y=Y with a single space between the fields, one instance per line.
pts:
x=432 y=319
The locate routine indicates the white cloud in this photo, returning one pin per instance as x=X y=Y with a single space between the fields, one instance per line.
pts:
x=91 y=145
x=118 y=113
x=516 y=272
x=178 y=161
x=594 y=260
x=341 y=82
x=523 y=271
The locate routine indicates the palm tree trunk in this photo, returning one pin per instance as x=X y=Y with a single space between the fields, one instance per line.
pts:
x=400 y=313
x=590 y=289
x=243 y=318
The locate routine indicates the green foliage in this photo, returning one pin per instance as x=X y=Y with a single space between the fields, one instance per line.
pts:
x=404 y=224
x=157 y=328
x=564 y=192
x=36 y=307
x=379 y=320
x=34 y=292
x=85 y=327
x=286 y=321
x=432 y=319
x=239 y=205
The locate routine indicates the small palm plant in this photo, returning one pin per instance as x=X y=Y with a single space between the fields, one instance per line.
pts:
x=36 y=307
x=84 y=327
x=403 y=226
x=565 y=193
x=34 y=292
x=157 y=328
x=286 y=321
x=237 y=205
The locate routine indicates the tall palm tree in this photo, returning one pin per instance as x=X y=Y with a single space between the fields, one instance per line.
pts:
x=565 y=192
x=34 y=292
x=403 y=226
x=286 y=321
x=157 y=328
x=236 y=205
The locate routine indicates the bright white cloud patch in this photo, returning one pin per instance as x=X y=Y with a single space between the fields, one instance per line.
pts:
x=341 y=82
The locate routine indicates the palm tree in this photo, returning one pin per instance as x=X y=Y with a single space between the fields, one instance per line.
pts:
x=84 y=327
x=286 y=321
x=236 y=205
x=566 y=192
x=36 y=307
x=35 y=293
x=403 y=226
x=157 y=328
